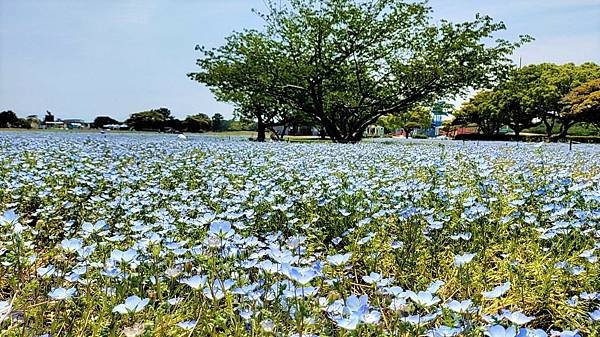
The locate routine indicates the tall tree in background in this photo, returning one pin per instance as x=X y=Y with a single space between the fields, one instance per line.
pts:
x=346 y=63
x=218 y=123
x=418 y=117
x=197 y=123
x=8 y=119
x=156 y=119
x=583 y=103
x=483 y=110
x=537 y=91
x=101 y=121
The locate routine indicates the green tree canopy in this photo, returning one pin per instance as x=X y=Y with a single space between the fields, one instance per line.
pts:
x=482 y=109
x=537 y=90
x=345 y=63
x=101 y=121
x=8 y=119
x=583 y=103
x=197 y=123
x=236 y=74
x=418 y=117
x=218 y=123
x=155 y=119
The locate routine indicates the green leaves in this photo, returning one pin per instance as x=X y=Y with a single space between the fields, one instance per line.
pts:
x=345 y=63
x=528 y=96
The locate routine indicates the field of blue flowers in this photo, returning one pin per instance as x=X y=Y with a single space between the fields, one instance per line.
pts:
x=137 y=235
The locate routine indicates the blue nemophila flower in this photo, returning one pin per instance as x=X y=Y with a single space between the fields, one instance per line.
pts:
x=196 y=281
x=460 y=260
x=423 y=298
x=127 y=257
x=89 y=228
x=246 y=314
x=589 y=296
x=444 y=331
x=517 y=317
x=376 y=278
x=9 y=216
x=347 y=314
x=595 y=315
x=367 y=238
x=5 y=308
x=175 y=300
x=524 y=332
x=300 y=275
x=47 y=271
x=339 y=259
x=187 y=325
x=461 y=236
x=62 y=293
x=573 y=301
x=497 y=291
x=398 y=304
x=460 y=307
x=397 y=244
x=221 y=228
x=500 y=331
x=132 y=304
x=72 y=245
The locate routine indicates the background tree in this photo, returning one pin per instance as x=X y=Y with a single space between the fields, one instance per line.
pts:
x=346 y=63
x=511 y=110
x=8 y=119
x=416 y=118
x=218 y=123
x=156 y=119
x=539 y=88
x=583 y=103
x=390 y=123
x=483 y=110
x=101 y=121
x=197 y=123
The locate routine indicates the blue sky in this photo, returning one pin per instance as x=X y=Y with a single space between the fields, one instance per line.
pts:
x=80 y=59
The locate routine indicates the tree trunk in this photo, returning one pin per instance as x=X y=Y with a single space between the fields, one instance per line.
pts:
x=261 y=130
x=322 y=133
x=549 y=126
x=564 y=129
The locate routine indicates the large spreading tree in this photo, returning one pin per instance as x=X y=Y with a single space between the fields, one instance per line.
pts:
x=583 y=103
x=482 y=109
x=345 y=63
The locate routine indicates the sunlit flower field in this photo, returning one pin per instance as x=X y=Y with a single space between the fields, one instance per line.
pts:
x=140 y=235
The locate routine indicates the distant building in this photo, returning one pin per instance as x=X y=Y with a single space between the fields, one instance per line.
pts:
x=374 y=131
x=116 y=127
x=34 y=121
x=53 y=125
x=76 y=124
x=297 y=130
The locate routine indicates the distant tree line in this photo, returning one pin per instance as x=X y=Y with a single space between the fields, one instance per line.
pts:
x=555 y=96
x=150 y=120
x=9 y=119
x=162 y=120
